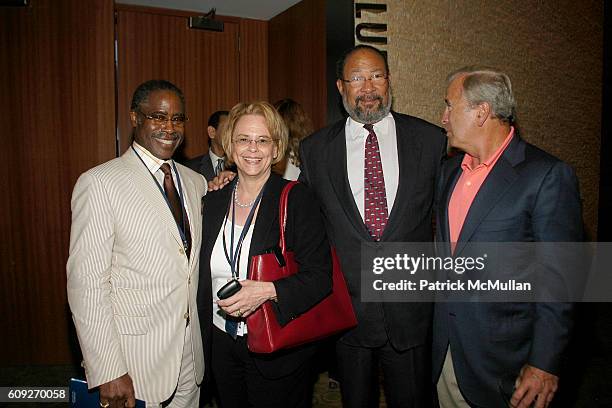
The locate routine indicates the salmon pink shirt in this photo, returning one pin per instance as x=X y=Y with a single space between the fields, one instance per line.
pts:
x=467 y=187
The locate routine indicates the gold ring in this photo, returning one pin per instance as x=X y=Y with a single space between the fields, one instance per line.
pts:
x=105 y=405
x=238 y=313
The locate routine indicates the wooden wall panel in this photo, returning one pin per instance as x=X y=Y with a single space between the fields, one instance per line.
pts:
x=59 y=102
x=57 y=81
x=253 y=60
x=297 y=58
x=158 y=44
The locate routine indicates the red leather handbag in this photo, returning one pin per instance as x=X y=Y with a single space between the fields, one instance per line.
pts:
x=331 y=315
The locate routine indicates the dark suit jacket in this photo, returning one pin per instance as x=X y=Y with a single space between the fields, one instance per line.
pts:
x=305 y=235
x=528 y=196
x=421 y=147
x=202 y=165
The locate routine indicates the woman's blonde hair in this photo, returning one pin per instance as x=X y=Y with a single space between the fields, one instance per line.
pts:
x=274 y=122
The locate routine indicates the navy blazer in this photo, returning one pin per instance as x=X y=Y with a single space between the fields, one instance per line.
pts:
x=202 y=165
x=421 y=147
x=529 y=196
x=305 y=235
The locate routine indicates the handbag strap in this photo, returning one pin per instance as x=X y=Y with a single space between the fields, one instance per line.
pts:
x=282 y=214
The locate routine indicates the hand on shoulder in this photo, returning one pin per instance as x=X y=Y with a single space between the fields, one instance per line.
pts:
x=221 y=180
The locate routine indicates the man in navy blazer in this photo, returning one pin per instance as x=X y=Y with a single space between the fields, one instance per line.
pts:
x=212 y=163
x=501 y=189
x=394 y=336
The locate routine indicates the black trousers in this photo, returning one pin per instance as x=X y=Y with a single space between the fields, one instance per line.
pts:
x=406 y=376
x=240 y=384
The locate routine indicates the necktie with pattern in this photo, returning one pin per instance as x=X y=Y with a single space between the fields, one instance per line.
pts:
x=219 y=167
x=375 y=196
x=180 y=216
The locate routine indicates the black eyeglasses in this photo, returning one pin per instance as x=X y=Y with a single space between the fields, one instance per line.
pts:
x=159 y=119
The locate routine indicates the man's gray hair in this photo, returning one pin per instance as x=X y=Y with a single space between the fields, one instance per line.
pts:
x=486 y=84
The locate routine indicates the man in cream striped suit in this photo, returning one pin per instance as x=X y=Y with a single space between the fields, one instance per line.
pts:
x=133 y=265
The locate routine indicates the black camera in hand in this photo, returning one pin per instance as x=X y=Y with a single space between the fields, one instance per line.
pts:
x=229 y=289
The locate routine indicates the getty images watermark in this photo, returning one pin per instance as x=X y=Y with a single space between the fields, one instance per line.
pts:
x=458 y=265
x=486 y=272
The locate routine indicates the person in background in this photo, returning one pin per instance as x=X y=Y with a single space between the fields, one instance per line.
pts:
x=241 y=221
x=300 y=126
x=134 y=261
x=214 y=162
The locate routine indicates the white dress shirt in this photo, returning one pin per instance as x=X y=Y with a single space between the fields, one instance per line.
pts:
x=214 y=159
x=356 y=136
x=154 y=166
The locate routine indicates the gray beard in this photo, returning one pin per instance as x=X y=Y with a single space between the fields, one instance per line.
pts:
x=372 y=116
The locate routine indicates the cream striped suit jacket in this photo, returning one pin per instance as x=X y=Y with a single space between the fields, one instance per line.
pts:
x=129 y=280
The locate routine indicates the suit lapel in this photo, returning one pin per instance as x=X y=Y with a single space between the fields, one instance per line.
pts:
x=408 y=156
x=443 y=225
x=336 y=159
x=492 y=190
x=147 y=185
x=213 y=217
x=194 y=208
x=266 y=216
x=206 y=167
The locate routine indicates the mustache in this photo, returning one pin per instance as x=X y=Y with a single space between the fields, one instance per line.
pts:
x=160 y=134
x=368 y=98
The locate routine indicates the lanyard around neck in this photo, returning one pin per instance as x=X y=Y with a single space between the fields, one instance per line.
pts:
x=163 y=193
x=234 y=253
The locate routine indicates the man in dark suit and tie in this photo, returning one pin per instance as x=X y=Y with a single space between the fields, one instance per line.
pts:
x=501 y=189
x=212 y=163
x=374 y=174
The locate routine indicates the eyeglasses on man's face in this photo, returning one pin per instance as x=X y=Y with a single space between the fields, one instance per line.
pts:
x=159 y=119
x=261 y=142
x=357 y=81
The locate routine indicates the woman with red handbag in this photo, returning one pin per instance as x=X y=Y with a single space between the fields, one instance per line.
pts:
x=242 y=221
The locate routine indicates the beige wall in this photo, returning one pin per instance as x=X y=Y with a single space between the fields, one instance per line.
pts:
x=551 y=49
